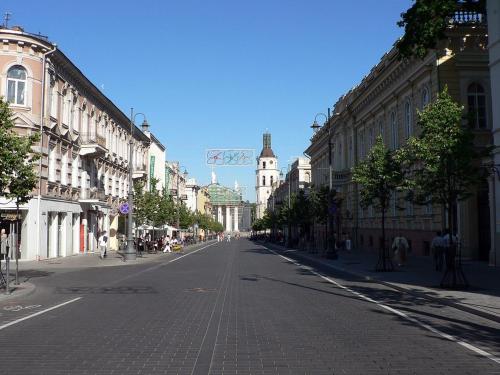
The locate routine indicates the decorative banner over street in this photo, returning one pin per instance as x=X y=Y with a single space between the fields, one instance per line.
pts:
x=233 y=157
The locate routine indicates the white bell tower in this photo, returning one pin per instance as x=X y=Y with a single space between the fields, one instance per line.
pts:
x=267 y=174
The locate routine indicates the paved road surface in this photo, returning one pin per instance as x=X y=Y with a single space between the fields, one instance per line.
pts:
x=235 y=308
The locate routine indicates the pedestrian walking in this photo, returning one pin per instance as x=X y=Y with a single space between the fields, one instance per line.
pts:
x=103 y=240
x=167 y=248
x=228 y=237
x=438 y=245
x=348 y=243
x=400 y=247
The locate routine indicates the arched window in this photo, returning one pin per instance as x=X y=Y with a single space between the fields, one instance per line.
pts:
x=408 y=118
x=264 y=165
x=16 y=85
x=476 y=100
x=381 y=128
x=394 y=131
x=425 y=97
x=263 y=180
x=272 y=180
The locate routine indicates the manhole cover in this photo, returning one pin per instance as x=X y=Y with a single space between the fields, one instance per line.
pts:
x=200 y=290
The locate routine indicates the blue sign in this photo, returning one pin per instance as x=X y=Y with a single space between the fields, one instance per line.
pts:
x=124 y=208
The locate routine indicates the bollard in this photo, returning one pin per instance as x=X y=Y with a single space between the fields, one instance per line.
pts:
x=7 y=281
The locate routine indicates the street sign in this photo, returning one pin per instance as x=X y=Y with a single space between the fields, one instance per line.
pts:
x=124 y=208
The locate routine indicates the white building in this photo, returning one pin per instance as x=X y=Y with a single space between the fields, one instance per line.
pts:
x=267 y=173
x=192 y=194
x=155 y=160
x=84 y=147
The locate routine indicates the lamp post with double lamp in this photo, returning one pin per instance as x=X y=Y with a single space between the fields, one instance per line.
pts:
x=130 y=253
x=331 y=251
x=185 y=173
x=288 y=181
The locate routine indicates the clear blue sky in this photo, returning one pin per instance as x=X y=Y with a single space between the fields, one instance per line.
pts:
x=217 y=74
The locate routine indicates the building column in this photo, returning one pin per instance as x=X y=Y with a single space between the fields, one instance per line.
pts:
x=236 y=227
x=54 y=234
x=219 y=214
x=493 y=11
x=228 y=219
x=76 y=233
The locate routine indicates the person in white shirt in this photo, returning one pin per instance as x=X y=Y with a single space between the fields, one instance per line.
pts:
x=400 y=247
x=167 y=248
x=438 y=245
x=103 y=239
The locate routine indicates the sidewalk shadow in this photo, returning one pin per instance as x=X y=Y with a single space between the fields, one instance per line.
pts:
x=30 y=274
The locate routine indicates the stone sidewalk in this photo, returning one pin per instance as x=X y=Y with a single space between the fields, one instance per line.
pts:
x=418 y=277
x=31 y=269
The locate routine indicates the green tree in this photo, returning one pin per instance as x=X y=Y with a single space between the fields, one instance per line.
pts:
x=426 y=21
x=17 y=164
x=379 y=176
x=446 y=163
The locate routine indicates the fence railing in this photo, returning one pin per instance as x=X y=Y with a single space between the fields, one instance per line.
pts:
x=93 y=193
x=88 y=139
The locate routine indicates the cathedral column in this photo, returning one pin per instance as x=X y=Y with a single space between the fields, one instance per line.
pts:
x=228 y=219
x=219 y=214
x=236 y=228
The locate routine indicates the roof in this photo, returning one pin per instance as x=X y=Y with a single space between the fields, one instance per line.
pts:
x=267 y=153
x=221 y=195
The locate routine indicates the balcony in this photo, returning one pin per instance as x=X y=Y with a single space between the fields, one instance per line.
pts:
x=92 y=195
x=92 y=145
x=139 y=171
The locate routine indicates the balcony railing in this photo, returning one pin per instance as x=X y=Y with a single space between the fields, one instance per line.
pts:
x=468 y=15
x=92 y=194
x=91 y=144
x=87 y=139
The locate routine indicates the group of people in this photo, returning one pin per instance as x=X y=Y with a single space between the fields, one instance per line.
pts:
x=221 y=236
x=441 y=247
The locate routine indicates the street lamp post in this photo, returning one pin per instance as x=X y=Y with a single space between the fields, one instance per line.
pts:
x=130 y=253
x=185 y=173
x=331 y=251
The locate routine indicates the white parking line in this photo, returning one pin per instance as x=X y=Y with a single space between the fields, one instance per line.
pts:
x=473 y=348
x=38 y=313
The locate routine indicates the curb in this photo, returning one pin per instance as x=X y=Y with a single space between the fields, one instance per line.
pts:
x=22 y=290
x=443 y=301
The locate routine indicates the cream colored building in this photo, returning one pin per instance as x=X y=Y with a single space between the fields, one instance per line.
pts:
x=385 y=103
x=266 y=174
x=83 y=170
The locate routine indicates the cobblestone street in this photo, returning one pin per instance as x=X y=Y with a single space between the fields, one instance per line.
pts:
x=235 y=308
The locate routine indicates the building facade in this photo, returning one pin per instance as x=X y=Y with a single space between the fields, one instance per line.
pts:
x=155 y=159
x=267 y=173
x=385 y=104
x=84 y=143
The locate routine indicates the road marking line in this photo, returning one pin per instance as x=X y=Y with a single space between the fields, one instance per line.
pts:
x=156 y=266
x=39 y=313
x=452 y=338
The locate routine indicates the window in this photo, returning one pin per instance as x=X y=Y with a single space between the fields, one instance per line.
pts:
x=64 y=167
x=85 y=122
x=381 y=128
x=408 y=118
x=76 y=116
x=66 y=102
x=272 y=180
x=371 y=139
x=425 y=97
x=52 y=163
x=264 y=165
x=54 y=99
x=16 y=85
x=361 y=144
x=74 y=171
x=263 y=180
x=394 y=131
x=476 y=100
